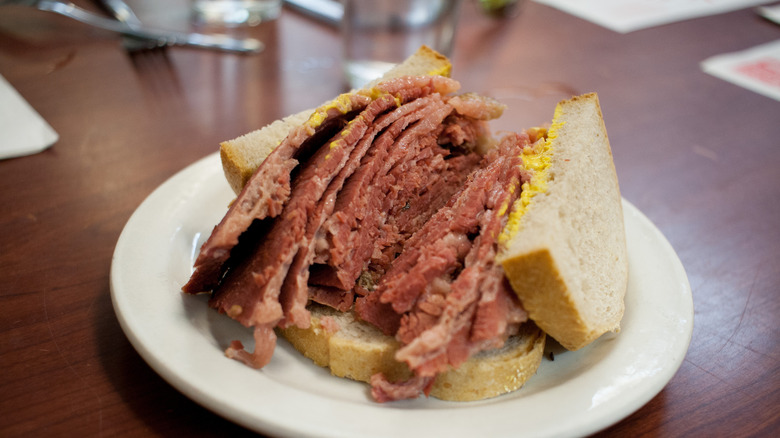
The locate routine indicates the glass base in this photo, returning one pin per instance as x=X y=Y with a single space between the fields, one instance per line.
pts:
x=232 y=13
x=359 y=73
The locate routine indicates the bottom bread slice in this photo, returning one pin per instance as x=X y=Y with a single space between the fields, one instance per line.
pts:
x=356 y=350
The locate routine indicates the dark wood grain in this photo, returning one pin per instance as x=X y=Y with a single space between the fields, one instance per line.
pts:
x=699 y=156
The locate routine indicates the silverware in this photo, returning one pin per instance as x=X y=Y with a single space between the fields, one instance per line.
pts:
x=162 y=37
x=122 y=12
x=329 y=11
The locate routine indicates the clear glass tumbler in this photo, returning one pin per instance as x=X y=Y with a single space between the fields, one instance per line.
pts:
x=377 y=34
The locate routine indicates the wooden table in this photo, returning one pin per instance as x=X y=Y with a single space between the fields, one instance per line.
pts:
x=699 y=156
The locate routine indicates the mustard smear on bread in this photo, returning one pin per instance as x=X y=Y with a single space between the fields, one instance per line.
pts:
x=444 y=70
x=537 y=158
x=376 y=94
x=341 y=103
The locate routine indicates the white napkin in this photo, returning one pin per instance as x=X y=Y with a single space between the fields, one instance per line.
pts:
x=770 y=13
x=629 y=15
x=757 y=68
x=22 y=130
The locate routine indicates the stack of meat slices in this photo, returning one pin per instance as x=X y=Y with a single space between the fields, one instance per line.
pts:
x=383 y=202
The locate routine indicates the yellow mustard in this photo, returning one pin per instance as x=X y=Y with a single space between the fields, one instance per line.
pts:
x=342 y=103
x=536 y=157
x=444 y=70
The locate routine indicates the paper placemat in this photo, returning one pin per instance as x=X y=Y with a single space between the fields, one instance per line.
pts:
x=22 y=130
x=629 y=15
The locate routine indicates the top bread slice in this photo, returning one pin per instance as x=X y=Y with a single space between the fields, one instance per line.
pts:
x=243 y=155
x=566 y=259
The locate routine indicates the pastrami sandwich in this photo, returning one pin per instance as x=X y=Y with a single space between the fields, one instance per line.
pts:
x=390 y=236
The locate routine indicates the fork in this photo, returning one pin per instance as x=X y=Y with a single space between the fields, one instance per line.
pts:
x=161 y=37
x=122 y=13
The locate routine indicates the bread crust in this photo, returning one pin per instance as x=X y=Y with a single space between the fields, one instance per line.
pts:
x=243 y=155
x=358 y=350
x=535 y=277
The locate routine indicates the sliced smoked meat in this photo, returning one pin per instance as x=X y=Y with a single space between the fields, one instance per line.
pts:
x=294 y=293
x=449 y=294
x=258 y=280
x=267 y=191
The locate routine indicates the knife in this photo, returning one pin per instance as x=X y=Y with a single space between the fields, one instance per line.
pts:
x=329 y=11
x=121 y=11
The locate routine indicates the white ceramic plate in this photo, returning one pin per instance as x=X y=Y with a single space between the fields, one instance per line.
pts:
x=575 y=394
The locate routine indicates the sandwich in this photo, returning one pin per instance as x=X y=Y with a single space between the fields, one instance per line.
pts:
x=391 y=236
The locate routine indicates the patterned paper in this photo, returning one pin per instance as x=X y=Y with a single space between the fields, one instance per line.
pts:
x=757 y=69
